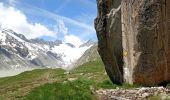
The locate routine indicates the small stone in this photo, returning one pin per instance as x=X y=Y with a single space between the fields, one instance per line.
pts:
x=81 y=73
x=163 y=96
x=72 y=79
x=67 y=72
x=117 y=88
x=144 y=95
x=65 y=82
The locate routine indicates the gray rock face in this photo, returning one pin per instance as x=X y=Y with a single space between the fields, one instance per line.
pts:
x=134 y=41
x=146 y=37
x=108 y=27
x=42 y=42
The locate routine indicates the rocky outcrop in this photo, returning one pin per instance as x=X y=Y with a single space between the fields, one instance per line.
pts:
x=146 y=39
x=134 y=40
x=108 y=27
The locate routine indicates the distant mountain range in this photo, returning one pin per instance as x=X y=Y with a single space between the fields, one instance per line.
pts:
x=18 y=52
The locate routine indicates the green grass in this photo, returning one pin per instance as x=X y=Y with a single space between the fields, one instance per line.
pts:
x=29 y=76
x=158 y=97
x=107 y=84
x=77 y=90
x=92 y=66
x=54 y=84
x=87 y=78
x=154 y=98
x=18 y=86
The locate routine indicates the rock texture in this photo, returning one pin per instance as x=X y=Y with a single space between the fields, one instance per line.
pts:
x=147 y=93
x=108 y=27
x=146 y=38
x=134 y=40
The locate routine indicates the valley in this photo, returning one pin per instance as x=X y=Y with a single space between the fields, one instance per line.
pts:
x=86 y=82
x=41 y=84
x=84 y=50
x=21 y=54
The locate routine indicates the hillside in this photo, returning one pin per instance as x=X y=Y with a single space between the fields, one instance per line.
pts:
x=26 y=85
x=86 y=82
x=90 y=54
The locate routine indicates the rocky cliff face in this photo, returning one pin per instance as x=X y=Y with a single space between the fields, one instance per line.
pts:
x=134 y=40
x=108 y=27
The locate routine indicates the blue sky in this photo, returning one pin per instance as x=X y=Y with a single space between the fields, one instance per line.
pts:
x=53 y=19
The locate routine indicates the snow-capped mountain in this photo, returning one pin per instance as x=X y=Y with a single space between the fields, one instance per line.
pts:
x=16 y=51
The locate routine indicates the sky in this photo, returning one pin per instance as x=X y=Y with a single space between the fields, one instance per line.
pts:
x=66 y=20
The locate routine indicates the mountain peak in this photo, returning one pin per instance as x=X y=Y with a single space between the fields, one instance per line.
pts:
x=87 y=43
x=37 y=53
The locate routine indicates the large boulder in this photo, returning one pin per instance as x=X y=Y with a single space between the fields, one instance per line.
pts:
x=109 y=33
x=134 y=40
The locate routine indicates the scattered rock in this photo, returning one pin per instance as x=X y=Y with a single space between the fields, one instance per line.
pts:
x=81 y=73
x=72 y=79
x=67 y=72
x=133 y=94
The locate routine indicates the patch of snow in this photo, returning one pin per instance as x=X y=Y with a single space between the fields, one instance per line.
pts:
x=70 y=54
x=2 y=37
x=32 y=56
x=46 y=47
x=37 y=47
x=14 y=36
x=16 y=66
x=13 y=45
x=3 y=43
x=29 y=46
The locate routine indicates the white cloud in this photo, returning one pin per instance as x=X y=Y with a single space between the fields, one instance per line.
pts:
x=14 y=19
x=42 y=12
x=73 y=40
x=63 y=29
x=82 y=29
x=60 y=27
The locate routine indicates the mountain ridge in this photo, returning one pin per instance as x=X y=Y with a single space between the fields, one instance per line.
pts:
x=17 y=52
